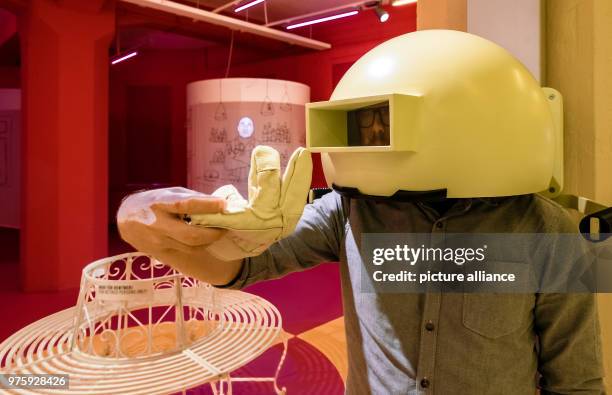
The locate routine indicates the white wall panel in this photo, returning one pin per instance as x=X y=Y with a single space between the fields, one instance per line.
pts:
x=514 y=24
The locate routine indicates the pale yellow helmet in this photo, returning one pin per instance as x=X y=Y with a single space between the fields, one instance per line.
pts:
x=465 y=116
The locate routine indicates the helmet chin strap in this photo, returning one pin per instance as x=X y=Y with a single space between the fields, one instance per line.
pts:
x=434 y=195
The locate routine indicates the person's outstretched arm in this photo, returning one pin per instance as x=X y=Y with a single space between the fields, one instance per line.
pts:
x=317 y=238
x=152 y=223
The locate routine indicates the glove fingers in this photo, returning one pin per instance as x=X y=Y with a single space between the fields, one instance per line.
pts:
x=227 y=192
x=264 y=181
x=246 y=221
x=296 y=182
x=234 y=202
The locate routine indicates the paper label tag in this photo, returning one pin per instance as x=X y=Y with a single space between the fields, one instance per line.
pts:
x=123 y=290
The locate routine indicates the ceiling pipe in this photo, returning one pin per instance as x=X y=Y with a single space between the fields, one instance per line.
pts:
x=231 y=23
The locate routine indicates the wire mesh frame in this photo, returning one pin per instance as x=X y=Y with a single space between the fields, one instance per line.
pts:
x=244 y=327
x=114 y=290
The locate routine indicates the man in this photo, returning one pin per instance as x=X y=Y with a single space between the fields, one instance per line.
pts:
x=431 y=133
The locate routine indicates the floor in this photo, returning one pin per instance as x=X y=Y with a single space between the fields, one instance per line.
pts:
x=316 y=361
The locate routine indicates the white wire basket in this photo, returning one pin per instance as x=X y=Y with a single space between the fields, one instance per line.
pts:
x=141 y=327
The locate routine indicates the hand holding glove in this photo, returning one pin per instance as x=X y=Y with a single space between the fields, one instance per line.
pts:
x=273 y=208
x=152 y=222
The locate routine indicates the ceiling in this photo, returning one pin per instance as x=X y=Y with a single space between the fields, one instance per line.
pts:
x=140 y=27
x=277 y=9
x=143 y=27
x=149 y=37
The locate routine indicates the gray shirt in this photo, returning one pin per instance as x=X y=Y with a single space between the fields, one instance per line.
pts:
x=445 y=343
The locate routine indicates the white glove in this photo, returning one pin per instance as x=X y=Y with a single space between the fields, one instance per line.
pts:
x=272 y=211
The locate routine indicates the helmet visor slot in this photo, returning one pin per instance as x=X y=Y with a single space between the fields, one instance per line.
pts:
x=369 y=126
x=360 y=125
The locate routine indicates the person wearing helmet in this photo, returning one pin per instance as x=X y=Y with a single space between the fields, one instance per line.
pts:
x=433 y=133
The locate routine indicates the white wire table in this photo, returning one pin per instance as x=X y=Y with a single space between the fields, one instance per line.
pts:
x=140 y=327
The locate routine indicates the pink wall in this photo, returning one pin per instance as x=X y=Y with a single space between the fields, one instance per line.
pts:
x=350 y=38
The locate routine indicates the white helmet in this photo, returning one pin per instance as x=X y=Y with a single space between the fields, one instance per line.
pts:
x=463 y=116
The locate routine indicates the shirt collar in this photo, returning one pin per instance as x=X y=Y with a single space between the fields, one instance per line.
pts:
x=460 y=207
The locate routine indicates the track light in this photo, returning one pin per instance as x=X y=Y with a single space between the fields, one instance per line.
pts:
x=376 y=5
x=398 y=3
x=383 y=16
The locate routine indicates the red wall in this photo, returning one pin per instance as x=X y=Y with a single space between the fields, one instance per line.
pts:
x=321 y=70
x=170 y=69
x=9 y=51
x=10 y=77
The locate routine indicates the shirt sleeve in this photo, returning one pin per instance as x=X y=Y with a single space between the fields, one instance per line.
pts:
x=567 y=325
x=317 y=238
x=570 y=349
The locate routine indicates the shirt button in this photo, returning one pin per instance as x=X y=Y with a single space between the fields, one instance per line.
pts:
x=425 y=382
x=430 y=326
x=439 y=225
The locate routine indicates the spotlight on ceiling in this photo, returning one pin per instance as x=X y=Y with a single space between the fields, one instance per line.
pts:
x=383 y=16
x=398 y=3
x=376 y=5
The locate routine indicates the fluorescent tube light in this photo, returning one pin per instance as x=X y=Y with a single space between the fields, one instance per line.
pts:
x=248 y=5
x=125 y=57
x=325 y=19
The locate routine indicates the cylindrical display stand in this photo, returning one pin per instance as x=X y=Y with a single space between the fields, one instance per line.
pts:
x=227 y=118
